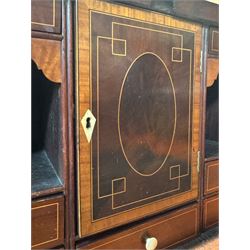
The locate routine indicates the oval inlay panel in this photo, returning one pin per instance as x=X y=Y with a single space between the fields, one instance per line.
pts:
x=147 y=114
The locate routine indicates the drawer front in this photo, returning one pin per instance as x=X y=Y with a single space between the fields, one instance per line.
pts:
x=168 y=230
x=47 y=223
x=211 y=212
x=213 y=43
x=211 y=177
x=46 y=15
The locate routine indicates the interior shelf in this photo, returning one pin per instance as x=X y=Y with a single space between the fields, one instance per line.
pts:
x=44 y=175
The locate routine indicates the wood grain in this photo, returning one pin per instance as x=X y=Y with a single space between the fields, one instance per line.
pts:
x=211 y=183
x=212 y=70
x=86 y=227
x=47 y=56
x=211 y=212
x=46 y=15
x=47 y=223
x=213 y=41
x=169 y=230
x=67 y=123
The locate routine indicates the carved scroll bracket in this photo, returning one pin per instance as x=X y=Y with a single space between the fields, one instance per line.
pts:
x=212 y=70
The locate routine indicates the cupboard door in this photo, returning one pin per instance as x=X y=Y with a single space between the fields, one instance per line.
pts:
x=138 y=88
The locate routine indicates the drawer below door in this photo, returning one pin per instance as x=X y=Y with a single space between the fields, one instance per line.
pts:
x=169 y=230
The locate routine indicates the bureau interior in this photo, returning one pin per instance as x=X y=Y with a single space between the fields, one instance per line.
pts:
x=46 y=132
x=212 y=120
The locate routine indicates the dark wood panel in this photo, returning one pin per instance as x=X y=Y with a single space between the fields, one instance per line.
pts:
x=46 y=15
x=213 y=41
x=168 y=230
x=47 y=223
x=211 y=182
x=210 y=212
x=142 y=92
x=68 y=122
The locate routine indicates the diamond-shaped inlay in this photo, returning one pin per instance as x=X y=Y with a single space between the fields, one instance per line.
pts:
x=88 y=122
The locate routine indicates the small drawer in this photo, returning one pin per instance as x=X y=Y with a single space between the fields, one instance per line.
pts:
x=47 y=223
x=169 y=230
x=211 y=182
x=213 y=42
x=46 y=15
x=211 y=212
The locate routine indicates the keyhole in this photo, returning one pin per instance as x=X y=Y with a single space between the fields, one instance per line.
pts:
x=88 y=125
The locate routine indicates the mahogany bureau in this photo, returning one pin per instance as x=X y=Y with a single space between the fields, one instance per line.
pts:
x=124 y=123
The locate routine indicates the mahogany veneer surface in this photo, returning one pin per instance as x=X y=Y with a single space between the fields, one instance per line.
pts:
x=211 y=177
x=169 y=230
x=47 y=223
x=140 y=137
x=47 y=55
x=213 y=43
x=46 y=15
x=211 y=212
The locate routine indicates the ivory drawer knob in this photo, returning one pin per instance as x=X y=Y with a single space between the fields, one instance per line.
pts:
x=151 y=243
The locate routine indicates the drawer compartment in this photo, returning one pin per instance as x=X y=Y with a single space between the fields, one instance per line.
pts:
x=211 y=177
x=47 y=223
x=46 y=15
x=168 y=230
x=213 y=43
x=211 y=212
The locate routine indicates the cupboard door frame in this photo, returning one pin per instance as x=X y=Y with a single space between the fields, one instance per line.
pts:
x=83 y=94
